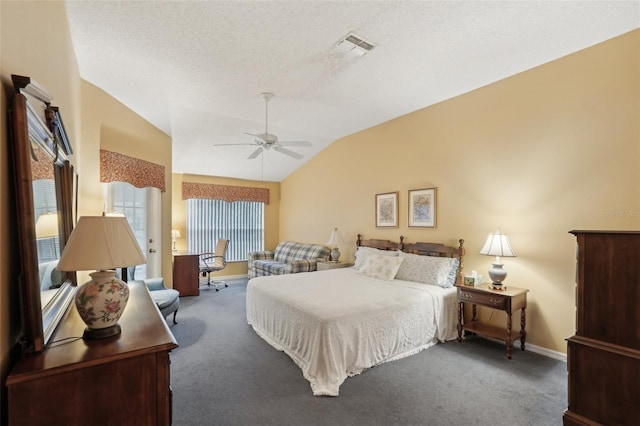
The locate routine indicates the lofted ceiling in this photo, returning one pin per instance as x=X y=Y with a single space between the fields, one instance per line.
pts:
x=196 y=69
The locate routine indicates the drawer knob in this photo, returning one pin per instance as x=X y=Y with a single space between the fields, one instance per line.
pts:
x=495 y=301
x=468 y=296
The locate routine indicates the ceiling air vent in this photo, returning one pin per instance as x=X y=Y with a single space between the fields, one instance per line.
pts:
x=354 y=44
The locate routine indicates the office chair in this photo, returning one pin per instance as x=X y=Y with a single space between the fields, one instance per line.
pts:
x=213 y=262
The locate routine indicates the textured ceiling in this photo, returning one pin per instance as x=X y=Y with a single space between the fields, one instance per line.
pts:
x=196 y=69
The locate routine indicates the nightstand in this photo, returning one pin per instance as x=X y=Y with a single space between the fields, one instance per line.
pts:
x=508 y=300
x=323 y=266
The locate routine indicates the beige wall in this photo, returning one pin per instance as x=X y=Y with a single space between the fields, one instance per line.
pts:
x=541 y=153
x=108 y=124
x=34 y=41
x=271 y=213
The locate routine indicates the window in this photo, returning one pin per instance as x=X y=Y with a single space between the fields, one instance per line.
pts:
x=126 y=199
x=44 y=197
x=241 y=222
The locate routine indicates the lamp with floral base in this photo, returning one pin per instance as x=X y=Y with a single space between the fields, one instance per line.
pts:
x=103 y=243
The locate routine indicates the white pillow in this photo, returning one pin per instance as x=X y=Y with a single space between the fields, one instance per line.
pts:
x=363 y=252
x=381 y=267
x=440 y=271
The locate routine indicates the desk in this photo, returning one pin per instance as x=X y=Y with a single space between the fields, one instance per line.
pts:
x=186 y=270
x=509 y=300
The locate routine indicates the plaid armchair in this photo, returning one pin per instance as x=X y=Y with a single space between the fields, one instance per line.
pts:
x=289 y=257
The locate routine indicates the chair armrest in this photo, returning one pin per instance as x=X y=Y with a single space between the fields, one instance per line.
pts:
x=154 y=284
x=296 y=266
x=261 y=255
x=206 y=261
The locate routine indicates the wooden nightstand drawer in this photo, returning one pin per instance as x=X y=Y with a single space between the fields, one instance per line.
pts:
x=492 y=300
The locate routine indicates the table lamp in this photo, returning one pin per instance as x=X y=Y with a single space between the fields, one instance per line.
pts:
x=497 y=245
x=334 y=241
x=47 y=227
x=175 y=233
x=102 y=243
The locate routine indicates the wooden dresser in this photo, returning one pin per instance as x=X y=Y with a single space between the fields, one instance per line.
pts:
x=604 y=355
x=122 y=380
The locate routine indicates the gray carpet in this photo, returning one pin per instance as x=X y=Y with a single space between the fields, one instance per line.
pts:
x=224 y=374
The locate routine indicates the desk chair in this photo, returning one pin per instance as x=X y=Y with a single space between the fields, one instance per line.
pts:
x=213 y=262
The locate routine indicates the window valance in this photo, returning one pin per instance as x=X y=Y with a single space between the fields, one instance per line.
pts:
x=226 y=193
x=41 y=166
x=116 y=167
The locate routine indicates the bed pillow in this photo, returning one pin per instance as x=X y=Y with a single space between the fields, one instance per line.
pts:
x=440 y=271
x=362 y=253
x=382 y=267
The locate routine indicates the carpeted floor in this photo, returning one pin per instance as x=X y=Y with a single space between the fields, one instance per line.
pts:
x=224 y=374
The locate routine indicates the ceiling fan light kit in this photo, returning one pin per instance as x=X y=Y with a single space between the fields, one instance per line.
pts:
x=266 y=140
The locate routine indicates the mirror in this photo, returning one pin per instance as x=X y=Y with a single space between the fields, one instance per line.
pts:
x=44 y=186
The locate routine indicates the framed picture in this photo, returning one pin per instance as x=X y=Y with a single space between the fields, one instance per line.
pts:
x=387 y=210
x=422 y=208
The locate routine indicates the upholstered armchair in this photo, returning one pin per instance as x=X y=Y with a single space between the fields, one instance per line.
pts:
x=167 y=299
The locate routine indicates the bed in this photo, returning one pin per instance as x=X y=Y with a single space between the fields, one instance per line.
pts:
x=337 y=323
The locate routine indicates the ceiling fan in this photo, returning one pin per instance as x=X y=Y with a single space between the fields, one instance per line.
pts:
x=266 y=140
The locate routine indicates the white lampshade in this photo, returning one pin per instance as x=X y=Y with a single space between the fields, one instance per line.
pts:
x=101 y=243
x=497 y=244
x=334 y=241
x=47 y=226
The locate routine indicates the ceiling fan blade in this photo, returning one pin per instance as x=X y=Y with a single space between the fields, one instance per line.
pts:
x=232 y=144
x=288 y=152
x=255 y=153
x=261 y=137
x=295 y=143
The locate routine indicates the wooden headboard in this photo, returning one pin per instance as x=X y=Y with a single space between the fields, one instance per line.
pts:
x=420 y=248
x=379 y=244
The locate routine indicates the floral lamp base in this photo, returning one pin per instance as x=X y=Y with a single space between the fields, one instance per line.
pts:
x=100 y=303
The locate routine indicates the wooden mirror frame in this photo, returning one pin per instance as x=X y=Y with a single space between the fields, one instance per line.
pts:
x=27 y=128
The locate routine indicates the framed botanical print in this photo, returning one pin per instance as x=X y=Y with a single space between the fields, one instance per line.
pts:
x=387 y=210
x=422 y=208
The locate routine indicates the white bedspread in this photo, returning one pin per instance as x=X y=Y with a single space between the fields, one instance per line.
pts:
x=337 y=323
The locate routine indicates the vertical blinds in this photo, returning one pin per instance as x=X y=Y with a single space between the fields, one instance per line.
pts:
x=241 y=222
x=44 y=199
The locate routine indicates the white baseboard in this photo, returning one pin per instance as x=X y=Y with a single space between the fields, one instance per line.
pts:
x=546 y=352
x=227 y=277
x=533 y=348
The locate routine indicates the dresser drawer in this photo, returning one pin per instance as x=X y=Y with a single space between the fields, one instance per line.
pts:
x=494 y=300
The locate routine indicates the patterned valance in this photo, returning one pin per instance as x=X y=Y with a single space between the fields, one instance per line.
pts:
x=224 y=192
x=115 y=167
x=41 y=166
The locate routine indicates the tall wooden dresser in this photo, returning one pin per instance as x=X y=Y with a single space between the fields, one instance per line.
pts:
x=120 y=380
x=604 y=355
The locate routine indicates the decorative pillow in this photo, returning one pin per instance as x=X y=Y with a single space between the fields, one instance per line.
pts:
x=364 y=252
x=381 y=267
x=439 y=271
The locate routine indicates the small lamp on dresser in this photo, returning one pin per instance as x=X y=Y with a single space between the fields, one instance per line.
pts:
x=175 y=233
x=101 y=243
x=497 y=245
x=334 y=241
